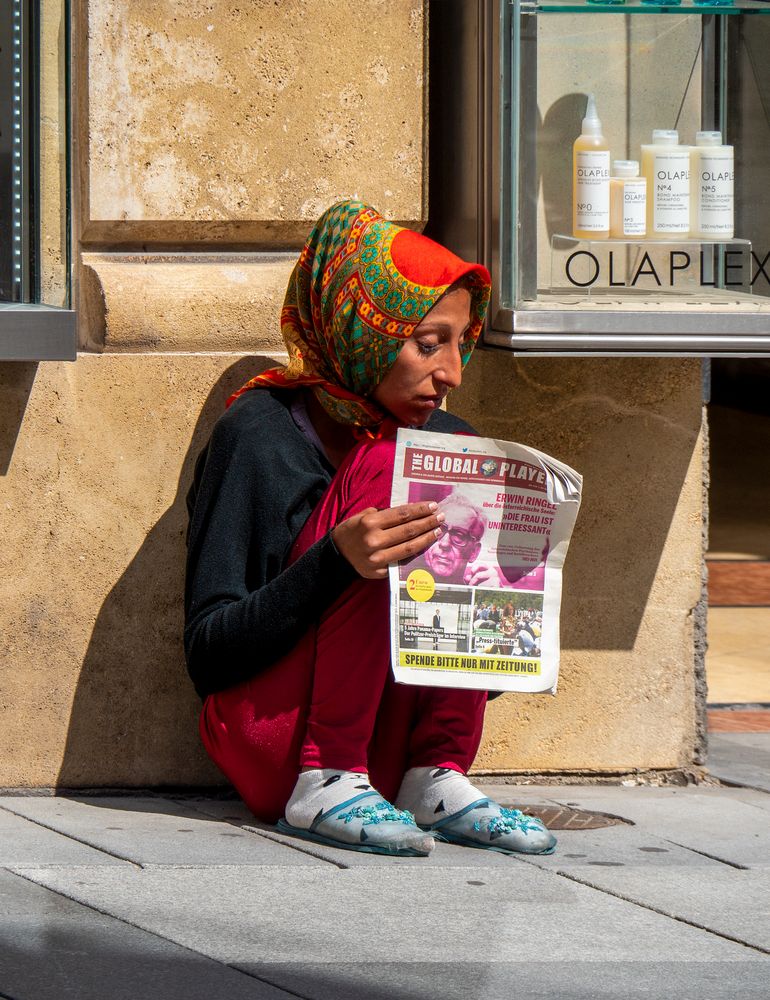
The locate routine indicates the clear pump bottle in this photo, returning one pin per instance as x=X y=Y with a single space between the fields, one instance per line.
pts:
x=591 y=179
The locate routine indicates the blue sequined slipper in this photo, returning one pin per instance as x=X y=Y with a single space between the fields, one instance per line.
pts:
x=369 y=823
x=492 y=827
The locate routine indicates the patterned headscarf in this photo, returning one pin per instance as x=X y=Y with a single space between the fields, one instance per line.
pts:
x=358 y=290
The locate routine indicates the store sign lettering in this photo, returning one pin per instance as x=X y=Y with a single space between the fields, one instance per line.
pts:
x=678 y=261
x=760 y=267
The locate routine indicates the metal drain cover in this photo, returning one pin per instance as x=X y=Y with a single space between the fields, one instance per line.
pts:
x=558 y=817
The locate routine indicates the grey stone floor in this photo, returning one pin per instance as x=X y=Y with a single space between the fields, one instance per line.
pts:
x=145 y=896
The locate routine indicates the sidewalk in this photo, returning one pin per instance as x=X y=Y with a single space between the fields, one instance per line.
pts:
x=150 y=896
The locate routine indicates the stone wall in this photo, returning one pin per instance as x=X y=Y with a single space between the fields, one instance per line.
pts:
x=208 y=137
x=626 y=697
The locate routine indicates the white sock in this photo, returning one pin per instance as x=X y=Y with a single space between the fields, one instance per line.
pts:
x=322 y=789
x=432 y=793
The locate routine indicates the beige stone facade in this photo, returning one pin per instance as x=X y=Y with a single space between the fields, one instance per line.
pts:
x=208 y=136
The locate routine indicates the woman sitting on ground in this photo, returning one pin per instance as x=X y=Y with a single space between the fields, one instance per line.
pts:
x=287 y=606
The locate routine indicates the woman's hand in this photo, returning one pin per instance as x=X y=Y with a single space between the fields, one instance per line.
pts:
x=373 y=539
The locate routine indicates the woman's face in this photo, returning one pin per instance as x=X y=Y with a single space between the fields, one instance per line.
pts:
x=429 y=364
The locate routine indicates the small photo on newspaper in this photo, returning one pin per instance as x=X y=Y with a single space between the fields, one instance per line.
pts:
x=480 y=607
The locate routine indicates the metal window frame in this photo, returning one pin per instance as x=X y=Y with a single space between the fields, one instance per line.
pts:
x=29 y=329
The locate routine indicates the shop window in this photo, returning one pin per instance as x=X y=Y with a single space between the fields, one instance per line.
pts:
x=690 y=274
x=36 y=322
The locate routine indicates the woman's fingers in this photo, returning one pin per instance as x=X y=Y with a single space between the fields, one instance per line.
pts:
x=373 y=539
x=385 y=529
x=408 y=549
x=403 y=515
x=387 y=538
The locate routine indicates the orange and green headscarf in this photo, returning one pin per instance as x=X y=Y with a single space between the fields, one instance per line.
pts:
x=358 y=290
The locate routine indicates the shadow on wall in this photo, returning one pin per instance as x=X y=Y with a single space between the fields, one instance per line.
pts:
x=16 y=380
x=554 y=159
x=134 y=715
x=630 y=426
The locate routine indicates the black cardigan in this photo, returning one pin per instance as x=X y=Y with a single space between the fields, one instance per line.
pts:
x=255 y=485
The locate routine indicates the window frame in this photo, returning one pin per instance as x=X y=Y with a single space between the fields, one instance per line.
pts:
x=30 y=329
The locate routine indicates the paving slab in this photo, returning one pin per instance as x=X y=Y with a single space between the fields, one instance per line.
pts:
x=154 y=830
x=752 y=797
x=619 y=847
x=248 y=915
x=568 y=794
x=729 y=902
x=564 y=795
x=718 y=825
x=682 y=980
x=225 y=810
x=741 y=758
x=54 y=949
x=25 y=843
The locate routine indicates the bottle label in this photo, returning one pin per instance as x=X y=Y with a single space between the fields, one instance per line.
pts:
x=592 y=190
x=715 y=193
x=671 y=191
x=634 y=206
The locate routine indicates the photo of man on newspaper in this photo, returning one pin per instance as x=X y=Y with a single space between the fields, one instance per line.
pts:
x=453 y=558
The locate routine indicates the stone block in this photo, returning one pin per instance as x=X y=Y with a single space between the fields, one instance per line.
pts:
x=29 y=843
x=726 y=902
x=538 y=980
x=242 y=122
x=632 y=576
x=184 y=302
x=247 y=917
x=623 y=847
x=715 y=822
x=52 y=948
x=741 y=759
x=153 y=831
x=98 y=457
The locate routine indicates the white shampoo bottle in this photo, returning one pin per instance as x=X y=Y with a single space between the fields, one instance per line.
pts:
x=666 y=165
x=591 y=179
x=712 y=169
x=628 y=201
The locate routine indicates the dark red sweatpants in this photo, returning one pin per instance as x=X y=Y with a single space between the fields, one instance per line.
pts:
x=332 y=701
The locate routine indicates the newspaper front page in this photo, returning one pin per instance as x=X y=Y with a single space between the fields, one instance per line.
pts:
x=480 y=607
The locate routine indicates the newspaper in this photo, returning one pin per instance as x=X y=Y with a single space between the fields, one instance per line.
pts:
x=480 y=607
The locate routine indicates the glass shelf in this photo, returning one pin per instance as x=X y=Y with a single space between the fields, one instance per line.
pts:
x=639 y=7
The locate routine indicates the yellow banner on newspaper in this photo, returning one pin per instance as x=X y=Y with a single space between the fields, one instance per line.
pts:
x=471 y=664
